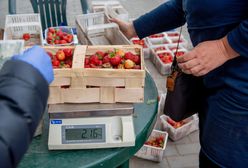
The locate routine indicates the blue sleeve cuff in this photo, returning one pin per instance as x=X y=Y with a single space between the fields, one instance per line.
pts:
x=238 y=38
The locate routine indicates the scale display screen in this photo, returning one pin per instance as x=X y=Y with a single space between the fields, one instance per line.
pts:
x=83 y=133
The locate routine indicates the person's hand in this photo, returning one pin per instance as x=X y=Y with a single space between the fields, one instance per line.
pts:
x=39 y=59
x=206 y=56
x=126 y=28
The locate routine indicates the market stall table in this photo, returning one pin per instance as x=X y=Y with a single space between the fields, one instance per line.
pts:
x=38 y=154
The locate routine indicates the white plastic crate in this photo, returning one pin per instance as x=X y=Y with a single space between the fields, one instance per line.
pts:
x=191 y=124
x=100 y=6
x=146 y=49
x=17 y=25
x=154 y=49
x=8 y=48
x=120 y=13
x=153 y=153
x=163 y=68
x=83 y=22
x=66 y=29
x=158 y=41
x=173 y=47
x=174 y=40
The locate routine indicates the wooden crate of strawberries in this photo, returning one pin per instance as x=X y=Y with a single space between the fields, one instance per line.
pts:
x=104 y=74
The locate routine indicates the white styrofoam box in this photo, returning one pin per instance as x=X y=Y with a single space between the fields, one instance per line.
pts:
x=179 y=51
x=153 y=153
x=172 y=34
x=163 y=68
x=191 y=124
x=64 y=29
x=143 y=43
x=174 y=40
x=158 y=35
x=158 y=41
x=17 y=25
x=120 y=13
x=154 y=49
x=172 y=47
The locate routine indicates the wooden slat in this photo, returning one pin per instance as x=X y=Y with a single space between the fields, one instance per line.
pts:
x=107 y=95
x=98 y=81
x=88 y=95
x=78 y=56
x=60 y=81
x=110 y=73
x=134 y=95
x=55 y=95
x=134 y=82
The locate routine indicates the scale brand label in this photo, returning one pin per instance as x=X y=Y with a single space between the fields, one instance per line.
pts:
x=56 y=121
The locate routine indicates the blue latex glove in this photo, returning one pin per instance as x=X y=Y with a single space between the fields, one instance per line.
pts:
x=39 y=59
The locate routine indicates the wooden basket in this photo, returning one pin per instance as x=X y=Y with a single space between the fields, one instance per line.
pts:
x=89 y=85
x=17 y=25
x=120 y=13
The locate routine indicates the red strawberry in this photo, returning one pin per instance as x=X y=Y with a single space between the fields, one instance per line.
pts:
x=136 y=59
x=87 y=66
x=116 y=60
x=94 y=60
x=55 y=63
x=68 y=52
x=106 y=59
x=100 y=54
x=87 y=61
x=26 y=36
x=128 y=55
x=51 y=29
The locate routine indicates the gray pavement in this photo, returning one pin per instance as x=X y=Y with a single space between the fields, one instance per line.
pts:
x=179 y=154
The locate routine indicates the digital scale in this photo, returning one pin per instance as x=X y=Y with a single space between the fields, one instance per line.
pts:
x=88 y=126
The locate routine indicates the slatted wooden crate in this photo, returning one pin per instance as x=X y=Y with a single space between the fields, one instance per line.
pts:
x=88 y=85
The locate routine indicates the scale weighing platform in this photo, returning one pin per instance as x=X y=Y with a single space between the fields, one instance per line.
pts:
x=88 y=126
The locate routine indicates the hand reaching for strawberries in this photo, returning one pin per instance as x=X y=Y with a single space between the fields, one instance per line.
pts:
x=206 y=56
x=126 y=27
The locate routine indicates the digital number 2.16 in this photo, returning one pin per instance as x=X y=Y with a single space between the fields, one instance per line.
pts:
x=91 y=133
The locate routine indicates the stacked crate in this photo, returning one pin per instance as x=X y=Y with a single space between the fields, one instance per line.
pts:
x=18 y=25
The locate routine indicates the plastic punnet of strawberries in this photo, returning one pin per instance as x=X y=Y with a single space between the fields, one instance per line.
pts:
x=176 y=124
x=61 y=58
x=165 y=57
x=156 y=141
x=116 y=58
x=58 y=36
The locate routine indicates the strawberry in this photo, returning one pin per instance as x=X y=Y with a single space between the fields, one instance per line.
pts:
x=129 y=64
x=106 y=59
x=60 y=55
x=128 y=55
x=116 y=60
x=100 y=54
x=26 y=36
x=87 y=66
x=136 y=59
x=86 y=61
x=55 y=63
x=94 y=60
x=51 y=29
x=68 y=52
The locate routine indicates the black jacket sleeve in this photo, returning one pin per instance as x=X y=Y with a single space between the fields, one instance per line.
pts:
x=23 y=99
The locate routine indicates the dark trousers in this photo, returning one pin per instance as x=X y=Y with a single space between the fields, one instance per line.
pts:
x=205 y=162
